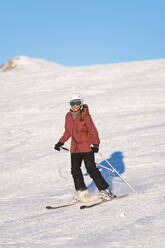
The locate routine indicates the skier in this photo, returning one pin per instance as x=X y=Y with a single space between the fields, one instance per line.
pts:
x=84 y=143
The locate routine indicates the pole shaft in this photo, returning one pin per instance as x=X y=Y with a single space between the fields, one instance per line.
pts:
x=118 y=174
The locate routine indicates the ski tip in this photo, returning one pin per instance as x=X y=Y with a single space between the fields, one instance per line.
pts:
x=82 y=207
x=48 y=207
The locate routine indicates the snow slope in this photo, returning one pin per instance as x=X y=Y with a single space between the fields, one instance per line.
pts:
x=127 y=103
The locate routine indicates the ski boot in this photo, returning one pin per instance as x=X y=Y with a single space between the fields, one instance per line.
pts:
x=82 y=196
x=106 y=195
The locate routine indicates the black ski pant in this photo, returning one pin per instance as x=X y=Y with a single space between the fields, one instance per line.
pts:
x=89 y=160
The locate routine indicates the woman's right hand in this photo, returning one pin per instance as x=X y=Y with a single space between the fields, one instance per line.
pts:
x=58 y=145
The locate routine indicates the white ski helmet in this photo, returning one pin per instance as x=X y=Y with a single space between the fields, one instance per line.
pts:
x=76 y=96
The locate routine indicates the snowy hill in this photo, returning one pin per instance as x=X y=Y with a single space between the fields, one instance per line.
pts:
x=127 y=103
x=28 y=64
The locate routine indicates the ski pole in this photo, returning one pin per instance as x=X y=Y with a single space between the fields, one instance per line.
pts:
x=113 y=170
x=104 y=167
x=64 y=148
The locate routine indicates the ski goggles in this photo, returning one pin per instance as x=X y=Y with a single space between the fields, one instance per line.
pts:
x=75 y=103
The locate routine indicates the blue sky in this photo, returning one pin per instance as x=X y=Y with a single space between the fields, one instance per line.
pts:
x=83 y=32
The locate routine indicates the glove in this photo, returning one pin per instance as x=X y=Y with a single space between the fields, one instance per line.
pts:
x=58 y=145
x=95 y=148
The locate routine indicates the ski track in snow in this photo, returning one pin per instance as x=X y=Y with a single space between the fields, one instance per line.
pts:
x=127 y=103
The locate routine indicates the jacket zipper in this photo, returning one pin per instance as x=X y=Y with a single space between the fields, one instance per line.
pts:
x=73 y=135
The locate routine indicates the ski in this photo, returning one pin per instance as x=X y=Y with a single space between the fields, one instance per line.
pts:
x=65 y=205
x=89 y=205
x=60 y=206
x=102 y=201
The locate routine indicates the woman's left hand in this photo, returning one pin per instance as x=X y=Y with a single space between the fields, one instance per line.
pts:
x=95 y=148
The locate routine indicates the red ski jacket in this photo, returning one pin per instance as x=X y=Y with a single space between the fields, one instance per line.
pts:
x=83 y=132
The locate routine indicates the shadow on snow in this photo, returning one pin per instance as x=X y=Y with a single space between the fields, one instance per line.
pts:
x=116 y=160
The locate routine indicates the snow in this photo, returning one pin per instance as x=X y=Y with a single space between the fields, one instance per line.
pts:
x=126 y=101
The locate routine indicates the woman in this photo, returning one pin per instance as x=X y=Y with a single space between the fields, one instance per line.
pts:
x=84 y=143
